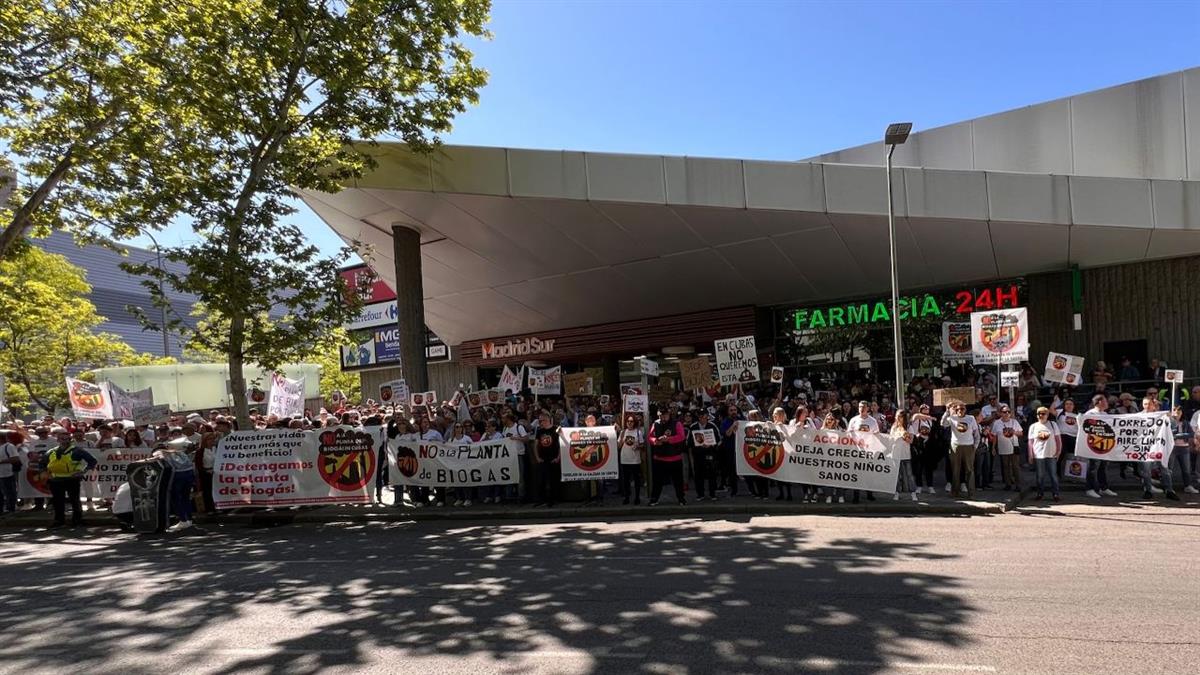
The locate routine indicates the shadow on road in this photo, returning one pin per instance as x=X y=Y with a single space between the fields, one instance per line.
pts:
x=686 y=596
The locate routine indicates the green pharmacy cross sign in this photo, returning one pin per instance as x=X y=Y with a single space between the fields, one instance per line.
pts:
x=955 y=304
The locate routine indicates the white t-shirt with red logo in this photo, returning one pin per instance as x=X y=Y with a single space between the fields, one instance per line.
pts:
x=1068 y=424
x=631 y=440
x=863 y=424
x=1006 y=433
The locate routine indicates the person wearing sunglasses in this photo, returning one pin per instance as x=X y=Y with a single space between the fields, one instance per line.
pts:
x=1045 y=445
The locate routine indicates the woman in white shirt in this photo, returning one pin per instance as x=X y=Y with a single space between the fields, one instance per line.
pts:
x=633 y=444
x=1044 y=449
x=902 y=440
x=803 y=420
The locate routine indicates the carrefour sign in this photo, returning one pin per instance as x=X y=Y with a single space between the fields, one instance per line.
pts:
x=374 y=315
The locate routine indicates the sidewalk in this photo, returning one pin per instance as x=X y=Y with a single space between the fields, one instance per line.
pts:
x=987 y=502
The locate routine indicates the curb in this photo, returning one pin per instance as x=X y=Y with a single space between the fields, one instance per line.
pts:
x=326 y=515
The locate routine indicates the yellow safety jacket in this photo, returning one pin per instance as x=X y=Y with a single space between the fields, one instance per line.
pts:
x=61 y=462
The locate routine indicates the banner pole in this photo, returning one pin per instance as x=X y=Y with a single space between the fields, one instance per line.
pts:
x=646 y=438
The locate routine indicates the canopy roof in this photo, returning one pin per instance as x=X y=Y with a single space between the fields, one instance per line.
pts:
x=518 y=241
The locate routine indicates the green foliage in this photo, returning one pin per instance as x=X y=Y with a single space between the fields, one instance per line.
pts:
x=96 y=133
x=47 y=329
x=282 y=91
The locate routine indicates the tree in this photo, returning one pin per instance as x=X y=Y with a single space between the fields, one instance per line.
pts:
x=47 y=329
x=283 y=91
x=95 y=135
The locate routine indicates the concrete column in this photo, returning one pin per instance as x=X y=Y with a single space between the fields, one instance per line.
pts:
x=410 y=306
x=612 y=376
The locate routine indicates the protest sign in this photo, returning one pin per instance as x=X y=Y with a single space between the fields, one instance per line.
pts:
x=956 y=340
x=494 y=396
x=90 y=401
x=393 y=392
x=429 y=464
x=1075 y=468
x=545 y=381
x=587 y=453
x=704 y=437
x=695 y=373
x=636 y=403
x=943 y=396
x=124 y=402
x=776 y=375
x=1136 y=437
x=649 y=367
x=737 y=361
x=284 y=467
x=112 y=469
x=1000 y=336
x=1010 y=378
x=1064 y=368
x=32 y=483
x=1173 y=377
x=476 y=399
x=256 y=395
x=827 y=457
x=510 y=381
x=144 y=415
x=287 y=397
x=431 y=398
x=577 y=384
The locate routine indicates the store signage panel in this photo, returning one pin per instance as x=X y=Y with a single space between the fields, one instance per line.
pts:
x=950 y=304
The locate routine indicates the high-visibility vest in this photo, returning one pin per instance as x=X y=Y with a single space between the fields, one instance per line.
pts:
x=60 y=462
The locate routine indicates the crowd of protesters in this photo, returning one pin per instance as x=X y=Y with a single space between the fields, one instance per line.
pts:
x=959 y=448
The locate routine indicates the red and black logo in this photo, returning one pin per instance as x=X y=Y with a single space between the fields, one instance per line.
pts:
x=1100 y=437
x=763 y=449
x=346 y=458
x=589 y=450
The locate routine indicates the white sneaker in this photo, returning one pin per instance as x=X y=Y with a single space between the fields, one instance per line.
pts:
x=181 y=525
x=1108 y=493
x=466 y=502
x=949 y=487
x=962 y=487
x=418 y=505
x=829 y=499
x=914 y=496
x=441 y=503
x=841 y=500
x=1093 y=494
x=896 y=497
x=1155 y=490
x=458 y=502
x=932 y=490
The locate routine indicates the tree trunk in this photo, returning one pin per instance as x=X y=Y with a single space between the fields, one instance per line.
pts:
x=237 y=378
x=16 y=228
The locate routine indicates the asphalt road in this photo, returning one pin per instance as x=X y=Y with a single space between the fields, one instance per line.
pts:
x=1089 y=590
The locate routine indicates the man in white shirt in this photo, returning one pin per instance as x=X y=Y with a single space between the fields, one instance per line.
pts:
x=964 y=436
x=1005 y=433
x=864 y=421
x=1097 y=471
x=10 y=464
x=1044 y=448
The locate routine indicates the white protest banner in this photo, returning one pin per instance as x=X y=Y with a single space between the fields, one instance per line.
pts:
x=956 y=340
x=827 y=457
x=90 y=401
x=510 y=381
x=287 y=397
x=649 y=367
x=1000 y=336
x=1136 y=437
x=32 y=483
x=428 y=464
x=587 y=453
x=112 y=469
x=144 y=415
x=546 y=381
x=285 y=467
x=1064 y=368
x=637 y=403
x=704 y=437
x=737 y=360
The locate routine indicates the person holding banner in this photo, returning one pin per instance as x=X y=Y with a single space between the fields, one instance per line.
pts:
x=901 y=451
x=964 y=437
x=831 y=421
x=803 y=420
x=633 y=446
x=548 y=458
x=731 y=416
x=1044 y=447
x=924 y=455
x=10 y=464
x=666 y=448
x=779 y=418
x=1097 y=469
x=1146 y=469
x=66 y=464
x=182 y=481
x=1181 y=455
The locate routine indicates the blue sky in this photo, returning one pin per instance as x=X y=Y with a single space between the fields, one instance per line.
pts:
x=787 y=80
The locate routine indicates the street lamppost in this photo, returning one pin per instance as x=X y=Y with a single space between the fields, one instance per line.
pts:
x=161 y=308
x=895 y=135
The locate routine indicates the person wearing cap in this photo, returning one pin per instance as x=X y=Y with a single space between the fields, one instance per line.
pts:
x=704 y=455
x=1044 y=448
x=964 y=437
x=1005 y=434
x=66 y=465
x=666 y=441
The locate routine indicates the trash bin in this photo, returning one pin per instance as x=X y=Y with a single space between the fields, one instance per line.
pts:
x=150 y=493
